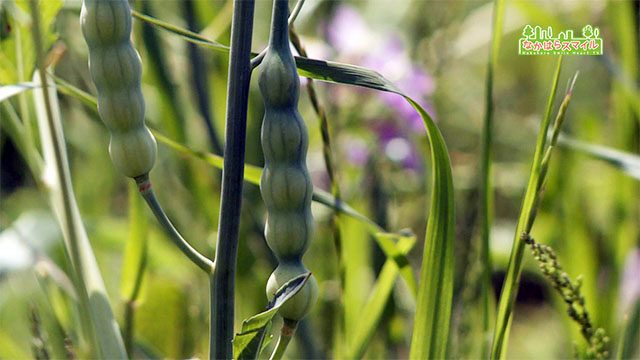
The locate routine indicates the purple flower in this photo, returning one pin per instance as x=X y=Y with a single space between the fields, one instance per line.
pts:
x=355 y=42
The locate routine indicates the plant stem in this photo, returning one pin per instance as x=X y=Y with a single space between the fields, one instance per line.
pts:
x=286 y=333
x=144 y=186
x=486 y=186
x=223 y=277
x=512 y=279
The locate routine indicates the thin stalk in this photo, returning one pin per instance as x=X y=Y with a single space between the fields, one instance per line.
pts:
x=486 y=187
x=144 y=186
x=223 y=277
x=510 y=288
x=286 y=333
x=257 y=60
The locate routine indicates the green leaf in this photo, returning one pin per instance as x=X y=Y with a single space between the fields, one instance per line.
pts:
x=247 y=343
x=372 y=312
x=17 y=55
x=510 y=288
x=623 y=161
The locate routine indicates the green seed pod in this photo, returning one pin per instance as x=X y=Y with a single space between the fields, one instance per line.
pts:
x=285 y=184
x=116 y=71
x=299 y=305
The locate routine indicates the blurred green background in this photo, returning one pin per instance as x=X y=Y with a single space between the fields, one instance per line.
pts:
x=437 y=52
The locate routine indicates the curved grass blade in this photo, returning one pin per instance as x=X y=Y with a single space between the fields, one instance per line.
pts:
x=623 y=161
x=7 y=91
x=248 y=342
x=98 y=320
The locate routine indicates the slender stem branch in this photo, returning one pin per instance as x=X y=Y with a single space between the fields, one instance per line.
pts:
x=223 y=277
x=144 y=186
x=257 y=60
x=286 y=333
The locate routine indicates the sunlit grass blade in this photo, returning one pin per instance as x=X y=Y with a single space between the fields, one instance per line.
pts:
x=99 y=324
x=510 y=287
x=626 y=162
x=186 y=34
x=382 y=290
x=7 y=91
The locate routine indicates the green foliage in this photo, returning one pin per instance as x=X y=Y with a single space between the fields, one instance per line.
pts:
x=378 y=297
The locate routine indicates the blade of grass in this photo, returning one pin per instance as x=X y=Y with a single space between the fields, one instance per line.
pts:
x=8 y=91
x=510 y=287
x=486 y=189
x=98 y=322
x=626 y=162
x=372 y=311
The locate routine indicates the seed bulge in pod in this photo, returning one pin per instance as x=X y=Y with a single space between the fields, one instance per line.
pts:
x=288 y=233
x=300 y=304
x=133 y=152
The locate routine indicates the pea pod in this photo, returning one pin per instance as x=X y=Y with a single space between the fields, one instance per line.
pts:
x=116 y=71
x=285 y=184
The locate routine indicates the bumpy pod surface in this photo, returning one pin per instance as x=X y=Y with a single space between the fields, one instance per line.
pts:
x=116 y=71
x=298 y=306
x=285 y=184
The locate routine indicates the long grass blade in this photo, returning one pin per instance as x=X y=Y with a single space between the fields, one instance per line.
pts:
x=623 y=161
x=510 y=287
x=382 y=290
x=100 y=325
x=486 y=188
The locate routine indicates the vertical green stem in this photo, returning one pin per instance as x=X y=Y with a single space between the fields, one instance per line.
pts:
x=512 y=279
x=486 y=188
x=223 y=277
